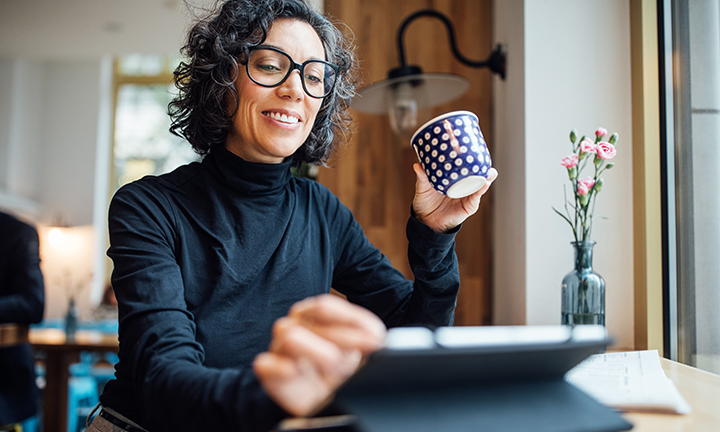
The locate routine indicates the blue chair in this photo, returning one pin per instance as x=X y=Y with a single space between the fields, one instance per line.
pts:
x=30 y=425
x=82 y=392
x=87 y=377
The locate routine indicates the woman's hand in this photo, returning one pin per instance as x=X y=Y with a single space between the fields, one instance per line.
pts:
x=440 y=212
x=314 y=349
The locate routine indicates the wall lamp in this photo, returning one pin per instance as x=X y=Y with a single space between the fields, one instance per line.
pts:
x=408 y=89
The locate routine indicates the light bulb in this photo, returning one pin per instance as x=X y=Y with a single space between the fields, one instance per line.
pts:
x=403 y=109
x=56 y=237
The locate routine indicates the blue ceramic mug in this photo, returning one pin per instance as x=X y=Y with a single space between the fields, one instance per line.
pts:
x=453 y=153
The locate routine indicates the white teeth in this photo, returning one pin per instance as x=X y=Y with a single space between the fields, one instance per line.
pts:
x=283 y=118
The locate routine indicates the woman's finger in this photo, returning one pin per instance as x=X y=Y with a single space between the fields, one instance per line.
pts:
x=274 y=366
x=331 y=308
x=348 y=325
x=348 y=338
x=293 y=383
x=492 y=175
x=423 y=183
x=295 y=341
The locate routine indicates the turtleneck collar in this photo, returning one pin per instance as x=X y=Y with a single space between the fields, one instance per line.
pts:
x=249 y=178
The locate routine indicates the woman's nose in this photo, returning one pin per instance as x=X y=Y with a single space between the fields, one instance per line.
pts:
x=292 y=87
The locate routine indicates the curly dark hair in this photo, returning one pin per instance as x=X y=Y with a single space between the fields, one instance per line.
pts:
x=218 y=43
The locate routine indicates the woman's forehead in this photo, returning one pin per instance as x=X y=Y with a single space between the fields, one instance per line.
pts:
x=297 y=38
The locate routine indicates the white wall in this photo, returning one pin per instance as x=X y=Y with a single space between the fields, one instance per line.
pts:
x=69 y=137
x=5 y=110
x=509 y=158
x=575 y=61
x=49 y=128
x=20 y=117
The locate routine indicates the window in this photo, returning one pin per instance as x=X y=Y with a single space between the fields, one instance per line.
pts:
x=690 y=89
x=142 y=143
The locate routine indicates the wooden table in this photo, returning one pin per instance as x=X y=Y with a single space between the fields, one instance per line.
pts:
x=699 y=388
x=60 y=354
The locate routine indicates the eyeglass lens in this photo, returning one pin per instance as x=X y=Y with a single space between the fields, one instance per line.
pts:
x=270 y=68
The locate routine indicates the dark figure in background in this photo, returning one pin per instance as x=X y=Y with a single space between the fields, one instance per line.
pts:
x=222 y=268
x=22 y=301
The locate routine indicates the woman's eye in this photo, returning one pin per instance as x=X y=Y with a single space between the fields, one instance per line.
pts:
x=314 y=73
x=269 y=68
x=313 y=79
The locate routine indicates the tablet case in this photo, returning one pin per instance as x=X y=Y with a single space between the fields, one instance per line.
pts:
x=498 y=387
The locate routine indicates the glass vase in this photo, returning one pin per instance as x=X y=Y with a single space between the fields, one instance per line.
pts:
x=583 y=290
x=71 y=321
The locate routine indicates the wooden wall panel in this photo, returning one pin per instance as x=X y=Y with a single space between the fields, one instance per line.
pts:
x=373 y=173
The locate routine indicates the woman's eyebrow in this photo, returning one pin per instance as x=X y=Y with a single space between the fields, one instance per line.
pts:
x=269 y=45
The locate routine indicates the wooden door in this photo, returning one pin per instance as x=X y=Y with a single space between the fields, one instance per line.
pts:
x=373 y=173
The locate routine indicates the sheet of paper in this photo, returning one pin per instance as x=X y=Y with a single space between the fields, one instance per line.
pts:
x=628 y=381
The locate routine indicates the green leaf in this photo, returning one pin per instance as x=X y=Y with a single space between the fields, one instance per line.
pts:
x=564 y=217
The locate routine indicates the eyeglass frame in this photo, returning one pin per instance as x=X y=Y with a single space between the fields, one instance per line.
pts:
x=300 y=67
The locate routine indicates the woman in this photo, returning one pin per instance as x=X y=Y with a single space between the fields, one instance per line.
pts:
x=222 y=268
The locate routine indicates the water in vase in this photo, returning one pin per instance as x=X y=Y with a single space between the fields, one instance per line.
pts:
x=583 y=318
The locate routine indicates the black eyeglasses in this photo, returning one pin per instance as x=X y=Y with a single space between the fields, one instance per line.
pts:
x=269 y=67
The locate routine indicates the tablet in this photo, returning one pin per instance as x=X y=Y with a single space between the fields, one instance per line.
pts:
x=419 y=358
x=478 y=378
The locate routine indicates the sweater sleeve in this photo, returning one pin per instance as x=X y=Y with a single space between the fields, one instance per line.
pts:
x=23 y=292
x=159 y=354
x=367 y=277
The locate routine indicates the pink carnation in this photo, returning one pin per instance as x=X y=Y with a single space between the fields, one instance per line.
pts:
x=601 y=132
x=569 y=161
x=588 y=146
x=588 y=182
x=605 y=150
x=582 y=189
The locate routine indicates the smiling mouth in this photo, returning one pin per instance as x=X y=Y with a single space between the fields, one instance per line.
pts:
x=283 y=118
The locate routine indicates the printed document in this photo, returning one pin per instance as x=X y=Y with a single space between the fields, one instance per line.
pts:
x=628 y=381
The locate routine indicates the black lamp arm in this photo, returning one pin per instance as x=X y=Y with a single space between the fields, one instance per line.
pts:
x=497 y=61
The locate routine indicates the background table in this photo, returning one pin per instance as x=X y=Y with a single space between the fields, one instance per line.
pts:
x=60 y=354
x=699 y=388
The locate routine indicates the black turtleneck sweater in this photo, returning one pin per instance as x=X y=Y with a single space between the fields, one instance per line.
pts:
x=208 y=256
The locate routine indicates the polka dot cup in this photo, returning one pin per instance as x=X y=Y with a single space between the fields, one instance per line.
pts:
x=453 y=153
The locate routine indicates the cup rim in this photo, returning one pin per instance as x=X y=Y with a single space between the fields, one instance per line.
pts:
x=441 y=117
